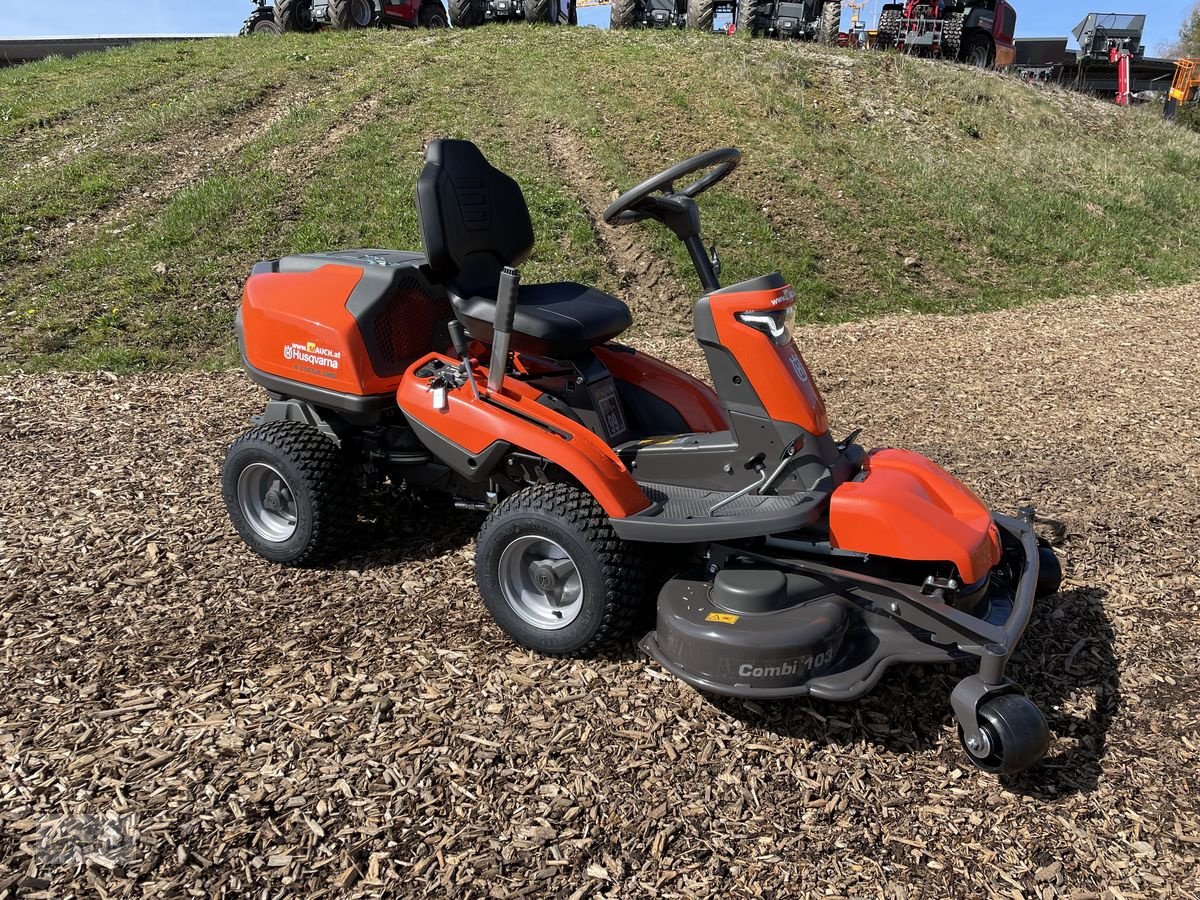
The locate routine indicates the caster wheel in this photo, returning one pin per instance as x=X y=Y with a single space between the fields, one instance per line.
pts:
x=1050 y=573
x=1013 y=735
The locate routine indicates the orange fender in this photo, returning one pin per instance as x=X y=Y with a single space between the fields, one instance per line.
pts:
x=515 y=416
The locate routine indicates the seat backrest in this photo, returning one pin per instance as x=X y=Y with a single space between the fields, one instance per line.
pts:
x=474 y=220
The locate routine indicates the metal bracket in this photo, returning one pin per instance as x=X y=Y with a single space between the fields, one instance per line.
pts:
x=296 y=411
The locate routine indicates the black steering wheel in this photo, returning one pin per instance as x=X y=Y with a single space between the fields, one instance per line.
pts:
x=637 y=204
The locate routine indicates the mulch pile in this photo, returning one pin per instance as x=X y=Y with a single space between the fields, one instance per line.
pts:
x=179 y=718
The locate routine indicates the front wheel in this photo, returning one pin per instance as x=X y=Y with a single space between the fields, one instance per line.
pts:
x=289 y=493
x=1013 y=735
x=554 y=575
x=261 y=21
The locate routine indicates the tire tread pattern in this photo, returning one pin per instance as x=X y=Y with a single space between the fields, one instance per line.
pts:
x=623 y=565
x=322 y=466
x=624 y=14
x=700 y=15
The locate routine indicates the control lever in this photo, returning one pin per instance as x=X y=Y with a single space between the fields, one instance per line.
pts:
x=458 y=337
x=506 y=313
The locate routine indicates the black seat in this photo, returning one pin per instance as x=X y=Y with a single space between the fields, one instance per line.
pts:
x=474 y=221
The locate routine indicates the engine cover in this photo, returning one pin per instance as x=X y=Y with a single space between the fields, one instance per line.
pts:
x=350 y=322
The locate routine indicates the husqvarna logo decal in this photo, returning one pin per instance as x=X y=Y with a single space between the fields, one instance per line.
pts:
x=312 y=354
x=786 y=297
x=798 y=368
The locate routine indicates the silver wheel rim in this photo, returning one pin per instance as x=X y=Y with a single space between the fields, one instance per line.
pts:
x=267 y=501
x=541 y=583
x=360 y=11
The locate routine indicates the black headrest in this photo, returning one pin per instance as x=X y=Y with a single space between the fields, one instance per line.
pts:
x=474 y=220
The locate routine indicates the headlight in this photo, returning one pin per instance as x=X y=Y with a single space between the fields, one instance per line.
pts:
x=774 y=323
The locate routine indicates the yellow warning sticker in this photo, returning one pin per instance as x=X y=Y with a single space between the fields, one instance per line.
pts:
x=723 y=618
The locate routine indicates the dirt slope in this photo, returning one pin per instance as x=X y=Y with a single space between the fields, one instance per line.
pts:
x=178 y=715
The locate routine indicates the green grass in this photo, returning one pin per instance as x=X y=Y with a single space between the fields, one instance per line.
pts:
x=140 y=185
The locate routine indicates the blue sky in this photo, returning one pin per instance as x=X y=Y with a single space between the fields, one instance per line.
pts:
x=20 y=17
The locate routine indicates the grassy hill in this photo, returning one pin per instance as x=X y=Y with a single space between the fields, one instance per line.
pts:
x=140 y=185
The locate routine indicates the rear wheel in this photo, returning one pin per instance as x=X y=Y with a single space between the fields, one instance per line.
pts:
x=295 y=15
x=289 y=493
x=623 y=14
x=554 y=575
x=830 y=25
x=261 y=21
x=539 y=11
x=432 y=15
x=465 y=13
x=700 y=15
x=1013 y=735
x=351 y=13
x=979 y=52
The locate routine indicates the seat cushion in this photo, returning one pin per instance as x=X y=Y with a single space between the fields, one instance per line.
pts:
x=557 y=319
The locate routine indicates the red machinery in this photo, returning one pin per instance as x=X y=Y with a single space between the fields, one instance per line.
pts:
x=980 y=34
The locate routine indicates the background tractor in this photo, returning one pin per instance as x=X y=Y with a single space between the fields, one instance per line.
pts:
x=469 y=13
x=813 y=20
x=807 y=20
x=313 y=15
x=648 y=14
x=979 y=34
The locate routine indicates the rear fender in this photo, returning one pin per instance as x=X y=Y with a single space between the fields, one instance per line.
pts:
x=513 y=417
x=696 y=403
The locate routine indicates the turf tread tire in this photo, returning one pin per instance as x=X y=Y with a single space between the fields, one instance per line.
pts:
x=700 y=15
x=319 y=466
x=623 y=14
x=622 y=566
x=464 y=13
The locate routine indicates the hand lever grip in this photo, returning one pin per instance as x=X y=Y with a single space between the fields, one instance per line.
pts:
x=458 y=337
x=506 y=314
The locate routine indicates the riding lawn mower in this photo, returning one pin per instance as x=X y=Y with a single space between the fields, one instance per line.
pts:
x=806 y=565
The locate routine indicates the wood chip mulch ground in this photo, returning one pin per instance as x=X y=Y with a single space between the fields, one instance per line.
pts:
x=178 y=718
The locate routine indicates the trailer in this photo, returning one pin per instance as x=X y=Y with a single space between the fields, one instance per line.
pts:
x=1108 y=44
